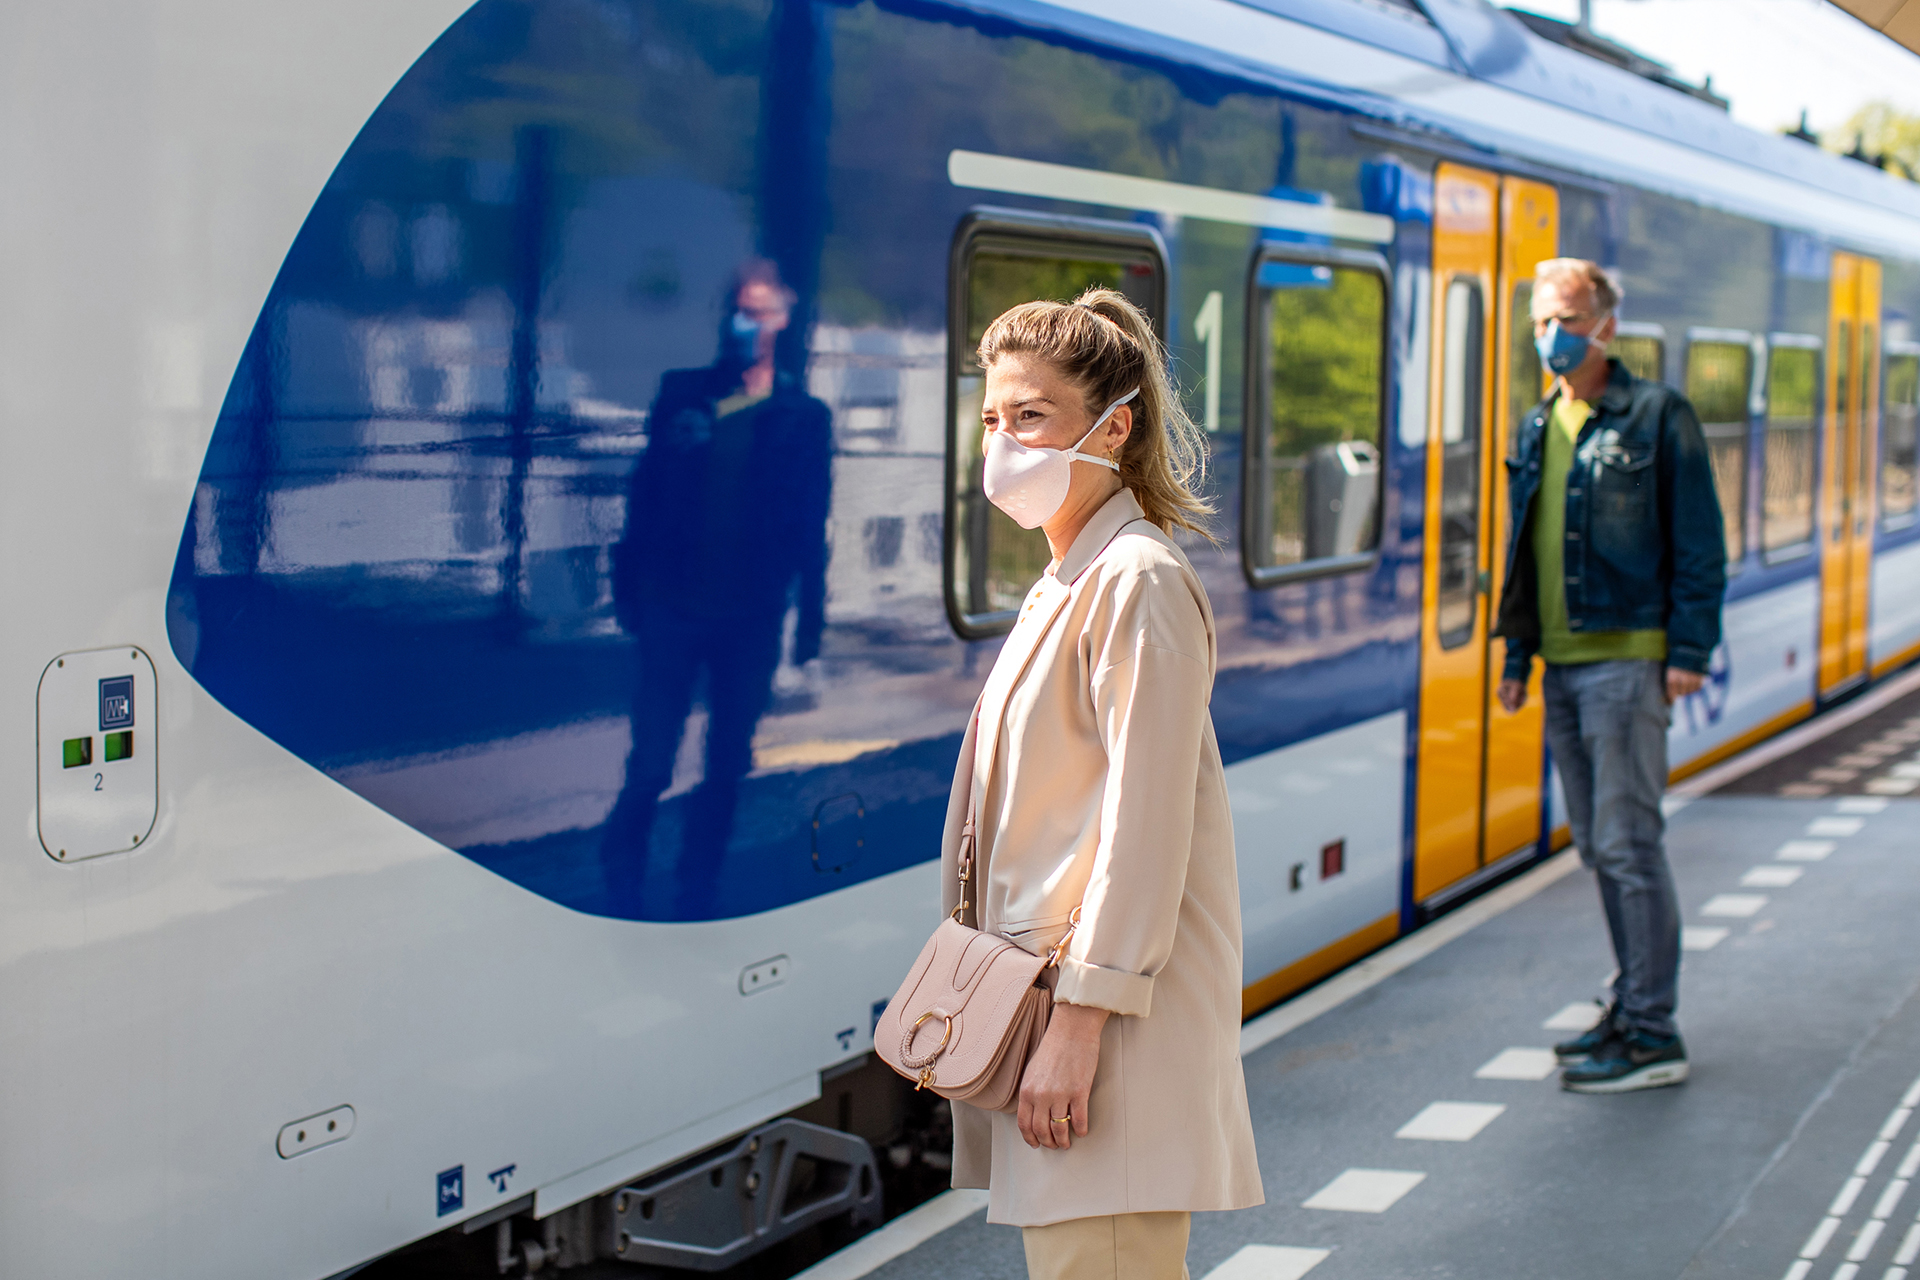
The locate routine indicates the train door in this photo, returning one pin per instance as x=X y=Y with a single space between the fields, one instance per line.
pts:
x=1516 y=744
x=1479 y=770
x=1848 y=457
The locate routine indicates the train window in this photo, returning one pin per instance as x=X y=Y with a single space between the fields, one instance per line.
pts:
x=1719 y=382
x=1842 y=405
x=1898 y=438
x=1462 y=362
x=1793 y=399
x=1526 y=381
x=1643 y=349
x=1000 y=262
x=1319 y=338
x=1864 y=438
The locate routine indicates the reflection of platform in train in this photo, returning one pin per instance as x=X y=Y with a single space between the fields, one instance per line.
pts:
x=1419 y=1129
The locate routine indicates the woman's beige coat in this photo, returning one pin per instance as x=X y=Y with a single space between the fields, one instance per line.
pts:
x=1101 y=787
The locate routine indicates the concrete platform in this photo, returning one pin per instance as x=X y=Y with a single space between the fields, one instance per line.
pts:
x=1801 y=1009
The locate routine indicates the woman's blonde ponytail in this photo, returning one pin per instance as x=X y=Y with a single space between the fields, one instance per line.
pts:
x=1107 y=346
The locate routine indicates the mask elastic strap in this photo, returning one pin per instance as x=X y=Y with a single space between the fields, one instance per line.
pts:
x=1098 y=423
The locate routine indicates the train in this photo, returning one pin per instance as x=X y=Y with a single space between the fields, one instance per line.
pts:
x=499 y=576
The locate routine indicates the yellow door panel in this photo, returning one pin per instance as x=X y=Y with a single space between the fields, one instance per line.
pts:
x=1516 y=749
x=1453 y=630
x=1848 y=457
x=1866 y=437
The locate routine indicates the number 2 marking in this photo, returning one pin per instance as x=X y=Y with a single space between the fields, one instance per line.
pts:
x=96 y=782
x=1206 y=327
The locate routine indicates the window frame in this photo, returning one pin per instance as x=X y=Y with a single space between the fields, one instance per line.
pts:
x=1475 y=418
x=1890 y=349
x=1763 y=400
x=1024 y=230
x=1650 y=330
x=1254 y=440
x=1756 y=398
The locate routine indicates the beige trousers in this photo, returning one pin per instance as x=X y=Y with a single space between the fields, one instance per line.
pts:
x=1126 y=1246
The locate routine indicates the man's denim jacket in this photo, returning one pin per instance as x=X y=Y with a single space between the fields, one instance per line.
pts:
x=1645 y=548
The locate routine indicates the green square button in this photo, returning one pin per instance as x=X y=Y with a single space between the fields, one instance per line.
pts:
x=75 y=752
x=117 y=746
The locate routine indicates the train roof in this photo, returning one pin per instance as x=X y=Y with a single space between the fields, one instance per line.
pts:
x=1447 y=74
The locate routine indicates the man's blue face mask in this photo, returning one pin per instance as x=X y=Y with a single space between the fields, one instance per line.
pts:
x=1561 y=350
x=742 y=340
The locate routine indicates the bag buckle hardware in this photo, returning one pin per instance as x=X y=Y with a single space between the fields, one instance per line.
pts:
x=1060 y=947
x=925 y=1064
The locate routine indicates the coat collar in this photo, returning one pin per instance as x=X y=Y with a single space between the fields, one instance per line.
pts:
x=1616 y=397
x=1119 y=511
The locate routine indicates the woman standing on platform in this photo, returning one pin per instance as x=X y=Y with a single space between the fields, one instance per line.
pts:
x=1096 y=788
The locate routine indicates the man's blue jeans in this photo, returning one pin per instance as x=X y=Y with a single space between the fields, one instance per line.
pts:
x=1607 y=726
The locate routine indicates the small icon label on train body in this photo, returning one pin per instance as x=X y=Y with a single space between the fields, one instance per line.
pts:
x=499 y=1177
x=452 y=1189
x=116 y=703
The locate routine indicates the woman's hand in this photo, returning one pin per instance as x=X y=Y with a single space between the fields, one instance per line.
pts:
x=1060 y=1077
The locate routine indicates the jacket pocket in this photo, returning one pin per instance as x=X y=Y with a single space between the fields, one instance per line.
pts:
x=1624 y=458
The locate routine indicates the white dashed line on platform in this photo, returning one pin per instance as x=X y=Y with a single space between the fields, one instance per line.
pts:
x=1450 y=1121
x=1861 y=804
x=1269 y=1262
x=1849 y=1192
x=1895 y=1122
x=1818 y=1240
x=1693 y=938
x=1835 y=826
x=1910 y=1247
x=1804 y=850
x=1864 y=1242
x=1365 y=1190
x=1890 y=1198
x=1575 y=1017
x=1771 y=877
x=1738 y=905
x=1910 y=1166
x=1519 y=1064
x=1871 y=1159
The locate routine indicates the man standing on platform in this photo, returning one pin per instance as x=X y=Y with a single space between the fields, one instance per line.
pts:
x=1615 y=573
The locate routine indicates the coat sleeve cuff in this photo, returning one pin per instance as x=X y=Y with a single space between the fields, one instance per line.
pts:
x=1688 y=658
x=1115 y=990
x=1519 y=664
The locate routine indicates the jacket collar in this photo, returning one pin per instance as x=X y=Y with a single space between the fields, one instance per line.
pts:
x=1619 y=393
x=1119 y=511
x=1616 y=397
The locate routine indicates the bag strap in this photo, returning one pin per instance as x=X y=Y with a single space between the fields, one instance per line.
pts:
x=963 y=866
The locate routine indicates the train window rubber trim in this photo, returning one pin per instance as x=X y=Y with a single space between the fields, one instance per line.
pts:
x=1040 y=235
x=1255 y=420
x=1767 y=348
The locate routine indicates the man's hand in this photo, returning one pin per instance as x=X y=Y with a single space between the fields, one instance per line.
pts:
x=1513 y=695
x=1681 y=683
x=1060 y=1077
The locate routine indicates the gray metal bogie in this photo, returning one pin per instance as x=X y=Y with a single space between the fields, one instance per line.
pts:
x=773 y=1183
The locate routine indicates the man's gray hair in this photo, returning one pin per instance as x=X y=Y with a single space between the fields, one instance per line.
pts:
x=1571 y=273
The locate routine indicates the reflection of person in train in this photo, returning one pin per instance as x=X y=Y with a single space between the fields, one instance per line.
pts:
x=726 y=531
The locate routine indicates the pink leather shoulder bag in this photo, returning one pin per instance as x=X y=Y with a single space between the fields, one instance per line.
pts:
x=972 y=1010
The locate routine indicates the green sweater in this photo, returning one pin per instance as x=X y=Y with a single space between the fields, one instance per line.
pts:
x=1558 y=642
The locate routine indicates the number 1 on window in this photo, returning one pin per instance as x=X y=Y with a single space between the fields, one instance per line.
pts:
x=1206 y=328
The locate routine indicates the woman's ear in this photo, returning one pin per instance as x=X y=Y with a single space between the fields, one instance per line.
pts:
x=1119 y=427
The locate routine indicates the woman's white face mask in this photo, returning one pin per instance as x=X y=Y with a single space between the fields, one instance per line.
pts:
x=1031 y=485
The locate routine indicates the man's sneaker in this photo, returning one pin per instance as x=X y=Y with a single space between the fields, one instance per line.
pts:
x=1583 y=1046
x=1628 y=1062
